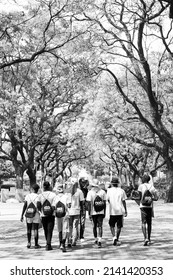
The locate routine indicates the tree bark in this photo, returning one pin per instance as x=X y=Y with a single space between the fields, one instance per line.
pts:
x=169 y=194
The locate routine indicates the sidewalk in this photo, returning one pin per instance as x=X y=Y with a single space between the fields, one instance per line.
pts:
x=13 y=238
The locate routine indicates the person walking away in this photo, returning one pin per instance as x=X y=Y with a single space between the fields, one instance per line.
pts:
x=96 y=199
x=83 y=183
x=77 y=199
x=116 y=198
x=147 y=194
x=45 y=203
x=61 y=204
x=32 y=215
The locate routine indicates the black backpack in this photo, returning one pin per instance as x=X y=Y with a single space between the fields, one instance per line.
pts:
x=60 y=209
x=147 y=198
x=99 y=204
x=47 y=208
x=30 y=210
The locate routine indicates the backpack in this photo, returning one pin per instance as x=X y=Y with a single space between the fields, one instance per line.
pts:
x=30 y=210
x=147 y=198
x=60 y=209
x=47 y=208
x=99 y=204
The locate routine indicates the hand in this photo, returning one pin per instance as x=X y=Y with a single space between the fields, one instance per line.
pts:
x=125 y=214
x=21 y=219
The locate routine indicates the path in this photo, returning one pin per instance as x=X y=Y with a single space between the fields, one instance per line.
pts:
x=13 y=238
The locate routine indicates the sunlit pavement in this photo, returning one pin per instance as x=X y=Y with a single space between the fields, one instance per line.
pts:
x=13 y=238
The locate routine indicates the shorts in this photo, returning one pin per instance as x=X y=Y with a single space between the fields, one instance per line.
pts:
x=35 y=220
x=146 y=215
x=116 y=219
x=98 y=220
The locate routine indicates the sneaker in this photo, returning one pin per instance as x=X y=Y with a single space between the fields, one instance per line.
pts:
x=115 y=242
x=118 y=243
x=37 y=246
x=69 y=245
x=146 y=241
x=99 y=244
x=48 y=247
x=28 y=245
x=61 y=247
x=95 y=242
x=82 y=240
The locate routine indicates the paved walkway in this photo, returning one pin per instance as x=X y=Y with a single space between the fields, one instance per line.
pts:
x=13 y=238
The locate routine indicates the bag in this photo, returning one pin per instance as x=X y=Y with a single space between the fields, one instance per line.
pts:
x=99 y=204
x=31 y=210
x=60 y=210
x=47 y=208
x=147 y=198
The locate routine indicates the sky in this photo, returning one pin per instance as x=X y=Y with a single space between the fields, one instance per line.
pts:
x=12 y=5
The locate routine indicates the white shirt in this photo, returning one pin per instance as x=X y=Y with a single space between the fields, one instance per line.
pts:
x=64 y=198
x=115 y=196
x=46 y=195
x=142 y=188
x=32 y=197
x=91 y=197
x=75 y=202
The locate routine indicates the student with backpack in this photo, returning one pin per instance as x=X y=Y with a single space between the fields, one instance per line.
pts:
x=77 y=200
x=83 y=183
x=32 y=215
x=96 y=199
x=147 y=194
x=116 y=198
x=61 y=204
x=45 y=206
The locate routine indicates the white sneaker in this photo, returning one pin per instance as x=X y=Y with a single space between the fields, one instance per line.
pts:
x=82 y=240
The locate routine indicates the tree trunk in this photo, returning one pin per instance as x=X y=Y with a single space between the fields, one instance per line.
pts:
x=19 y=195
x=169 y=195
x=32 y=176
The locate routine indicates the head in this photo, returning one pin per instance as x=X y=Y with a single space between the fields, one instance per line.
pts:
x=145 y=178
x=94 y=183
x=46 y=186
x=115 y=182
x=35 y=188
x=60 y=188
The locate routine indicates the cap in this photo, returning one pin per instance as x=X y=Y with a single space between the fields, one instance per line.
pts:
x=114 y=181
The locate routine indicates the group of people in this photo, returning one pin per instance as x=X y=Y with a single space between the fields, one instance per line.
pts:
x=67 y=206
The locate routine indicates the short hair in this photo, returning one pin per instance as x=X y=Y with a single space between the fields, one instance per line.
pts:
x=35 y=187
x=46 y=185
x=145 y=178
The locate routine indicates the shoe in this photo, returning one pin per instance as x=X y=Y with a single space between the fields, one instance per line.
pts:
x=28 y=245
x=115 y=242
x=37 y=246
x=82 y=240
x=48 y=247
x=146 y=241
x=95 y=242
x=61 y=247
x=69 y=245
x=99 y=244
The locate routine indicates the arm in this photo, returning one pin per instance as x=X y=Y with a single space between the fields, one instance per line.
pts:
x=23 y=210
x=124 y=204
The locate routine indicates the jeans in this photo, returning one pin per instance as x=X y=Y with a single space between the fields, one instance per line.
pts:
x=73 y=227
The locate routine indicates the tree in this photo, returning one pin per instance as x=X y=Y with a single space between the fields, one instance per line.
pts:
x=128 y=33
